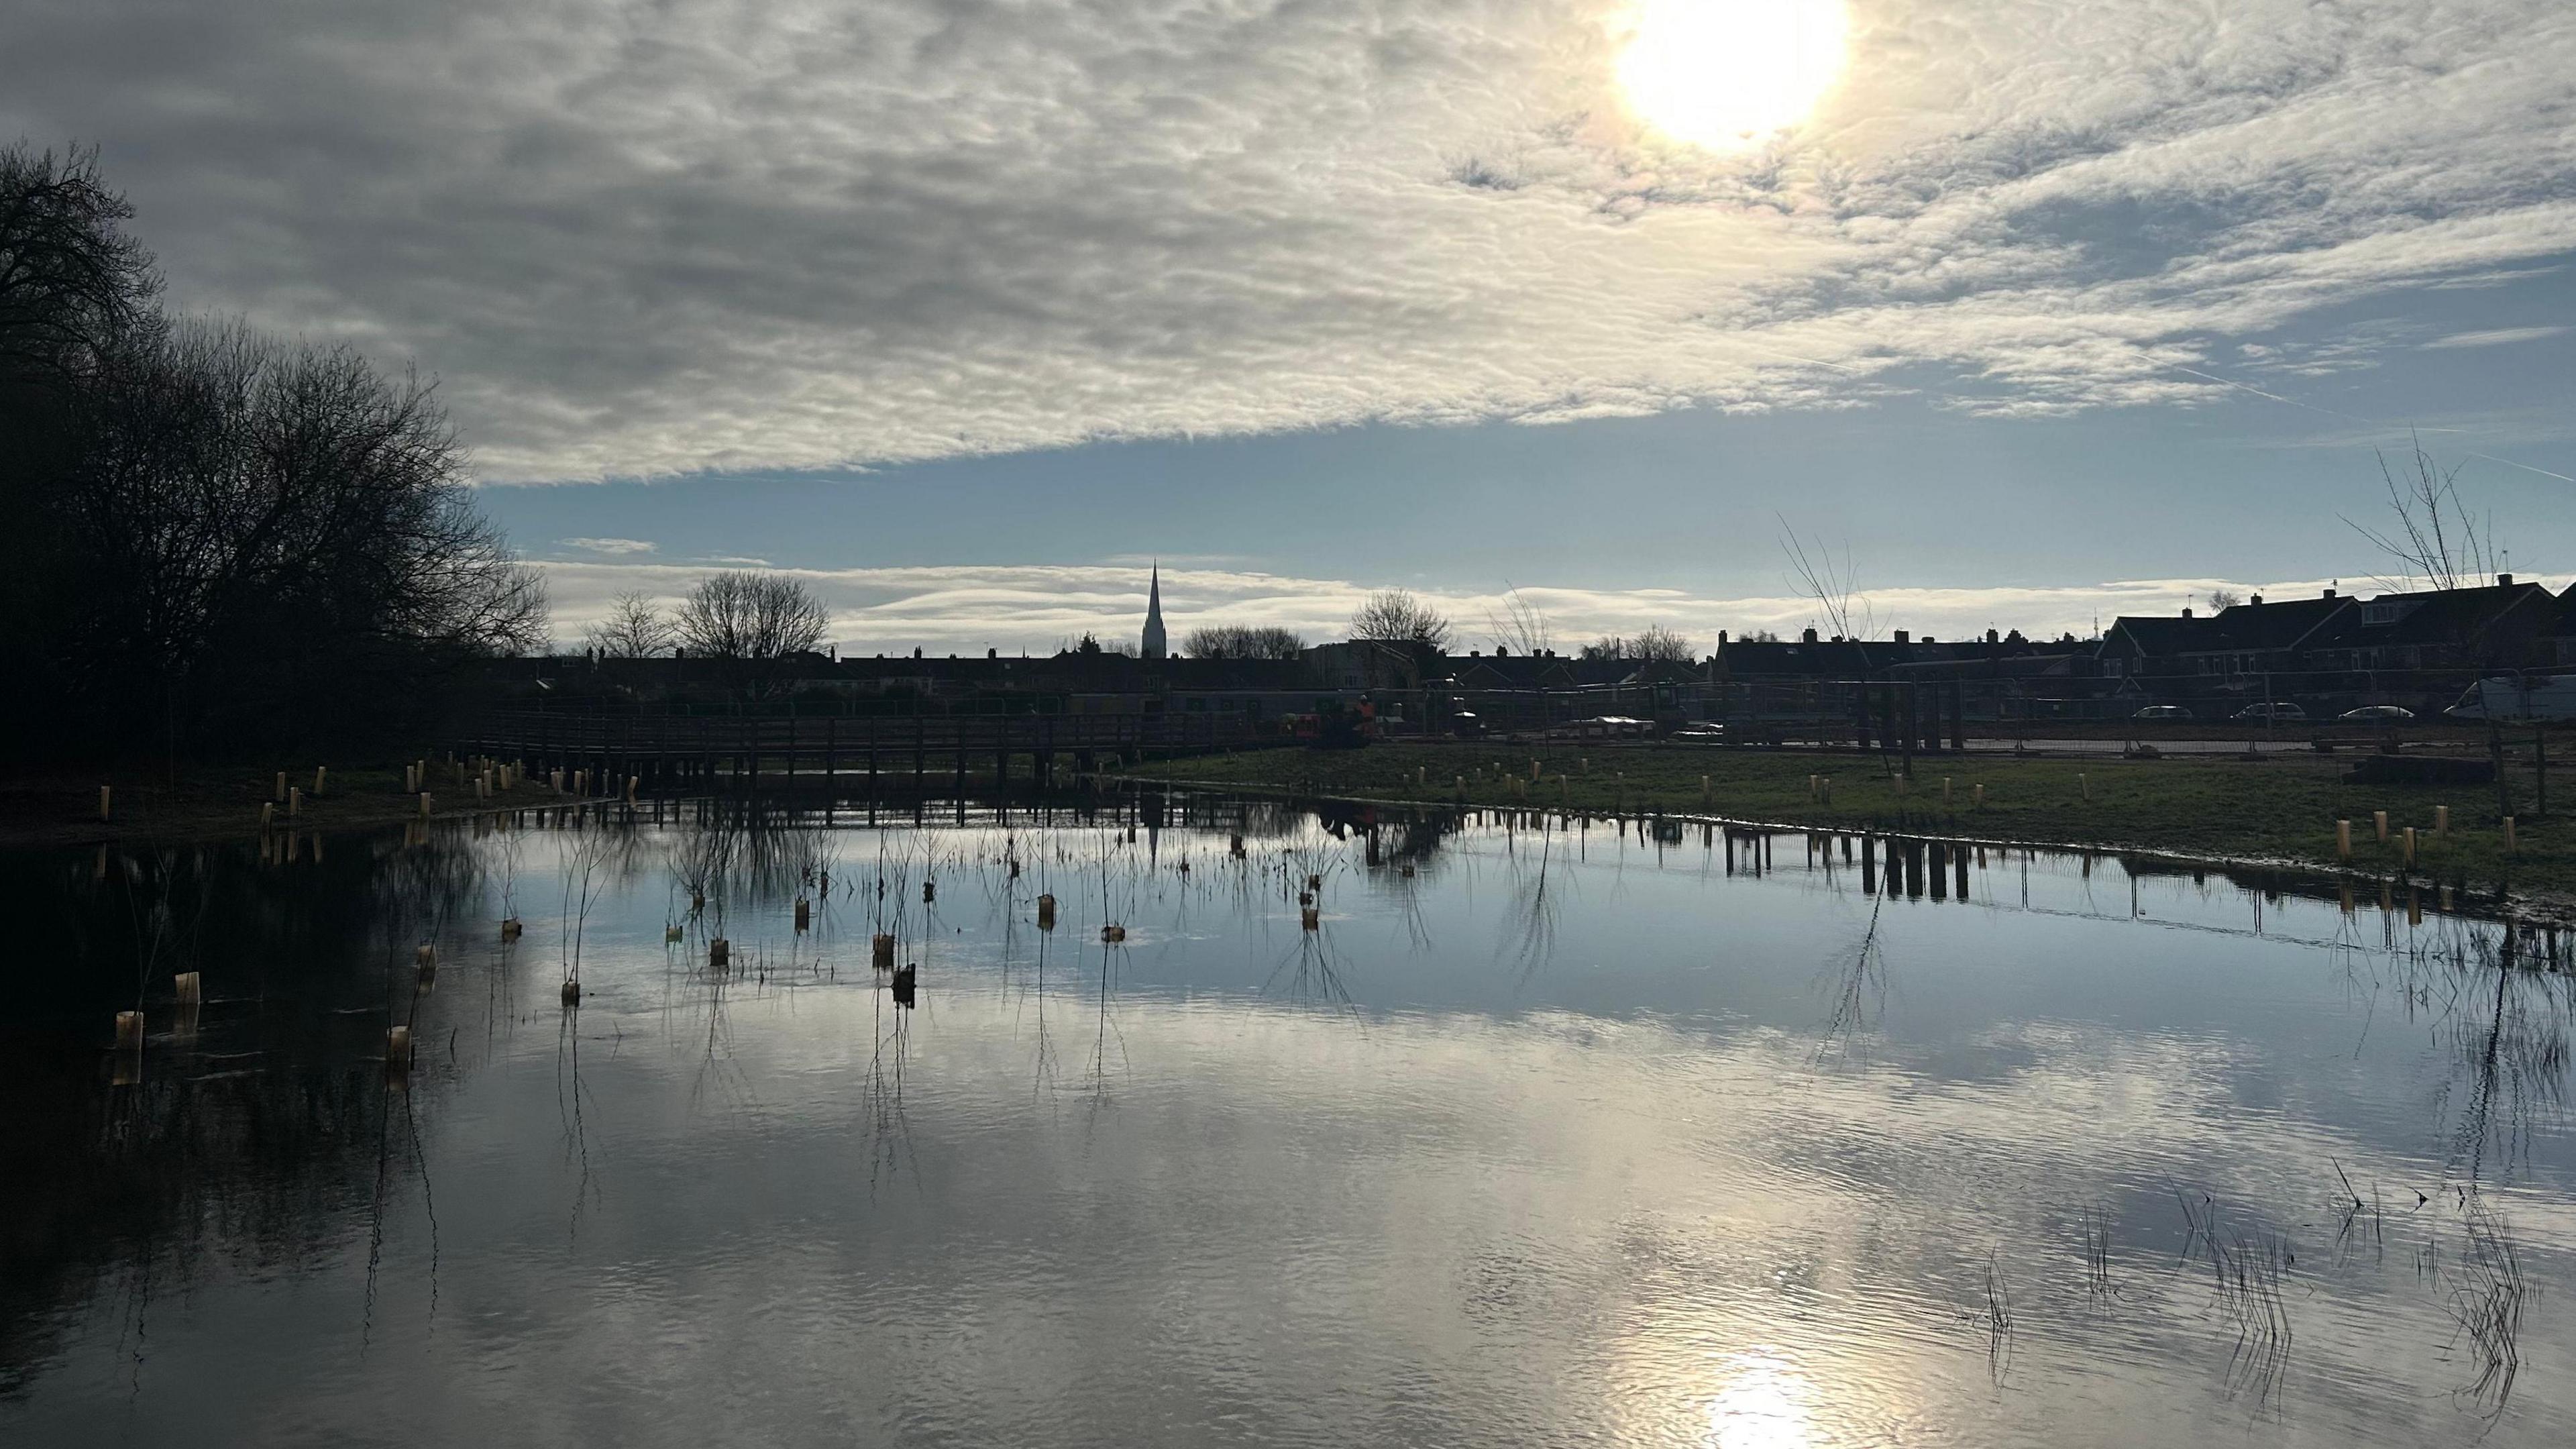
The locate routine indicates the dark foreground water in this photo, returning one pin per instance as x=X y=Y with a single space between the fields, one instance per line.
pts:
x=1540 y=1138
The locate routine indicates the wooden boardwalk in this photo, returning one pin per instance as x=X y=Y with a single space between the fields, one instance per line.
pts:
x=835 y=752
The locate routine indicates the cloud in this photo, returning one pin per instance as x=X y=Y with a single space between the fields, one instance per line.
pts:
x=2495 y=337
x=608 y=545
x=647 y=238
x=968 y=608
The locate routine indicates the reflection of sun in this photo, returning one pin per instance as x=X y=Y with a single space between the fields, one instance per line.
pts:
x=1726 y=74
x=1763 y=1406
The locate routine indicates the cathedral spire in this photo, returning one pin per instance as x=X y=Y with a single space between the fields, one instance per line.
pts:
x=1154 y=615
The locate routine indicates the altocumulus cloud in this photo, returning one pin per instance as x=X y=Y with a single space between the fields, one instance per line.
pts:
x=645 y=238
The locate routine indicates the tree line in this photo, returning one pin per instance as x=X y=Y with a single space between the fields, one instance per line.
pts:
x=221 y=538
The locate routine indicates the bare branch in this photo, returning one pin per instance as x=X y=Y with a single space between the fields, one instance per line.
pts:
x=1522 y=627
x=635 y=628
x=1395 y=616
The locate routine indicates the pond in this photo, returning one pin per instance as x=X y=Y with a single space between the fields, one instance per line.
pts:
x=1536 y=1133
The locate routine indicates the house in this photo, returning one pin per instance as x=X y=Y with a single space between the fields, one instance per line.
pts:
x=1807 y=657
x=2504 y=625
x=2239 y=642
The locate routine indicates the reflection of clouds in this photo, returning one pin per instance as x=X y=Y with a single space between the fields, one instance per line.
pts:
x=1521 y=1224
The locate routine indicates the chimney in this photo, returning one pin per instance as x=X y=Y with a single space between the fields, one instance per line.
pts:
x=1721 y=638
x=2186 y=611
x=1904 y=638
x=1993 y=637
x=2257 y=601
x=1809 y=636
x=2504 y=581
x=2329 y=593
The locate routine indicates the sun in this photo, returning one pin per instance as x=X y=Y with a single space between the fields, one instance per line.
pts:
x=1729 y=74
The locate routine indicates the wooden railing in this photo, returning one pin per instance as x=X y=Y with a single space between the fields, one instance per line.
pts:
x=842 y=751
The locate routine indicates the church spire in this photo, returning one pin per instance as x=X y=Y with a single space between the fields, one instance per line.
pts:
x=1154 y=615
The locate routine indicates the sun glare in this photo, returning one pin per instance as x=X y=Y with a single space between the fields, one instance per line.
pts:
x=1763 y=1406
x=1728 y=74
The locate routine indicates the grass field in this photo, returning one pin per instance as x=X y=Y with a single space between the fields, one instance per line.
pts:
x=212 y=802
x=2274 y=809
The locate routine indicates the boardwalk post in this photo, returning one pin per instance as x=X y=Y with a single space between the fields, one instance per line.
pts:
x=1911 y=729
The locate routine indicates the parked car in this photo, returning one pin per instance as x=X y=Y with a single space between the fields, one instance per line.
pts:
x=2281 y=711
x=2377 y=714
x=1700 y=732
x=2162 y=711
x=2542 y=697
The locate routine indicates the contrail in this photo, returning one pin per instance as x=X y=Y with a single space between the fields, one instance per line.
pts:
x=2526 y=467
x=2294 y=402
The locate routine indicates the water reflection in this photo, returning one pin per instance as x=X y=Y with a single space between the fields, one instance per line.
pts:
x=1365 y=1127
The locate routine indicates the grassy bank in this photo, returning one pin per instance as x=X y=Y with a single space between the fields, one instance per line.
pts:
x=223 y=802
x=2276 y=809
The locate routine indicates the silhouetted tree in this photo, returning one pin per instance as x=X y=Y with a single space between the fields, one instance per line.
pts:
x=221 y=538
x=1395 y=616
x=71 y=278
x=753 y=621
x=1657 y=644
x=1653 y=644
x=1239 y=641
x=267 y=526
x=636 y=628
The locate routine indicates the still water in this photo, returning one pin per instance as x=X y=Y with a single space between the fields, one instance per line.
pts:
x=1539 y=1136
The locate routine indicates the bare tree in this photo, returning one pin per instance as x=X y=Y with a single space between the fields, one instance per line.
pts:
x=1395 y=616
x=1654 y=644
x=2437 y=542
x=754 y=622
x=1657 y=644
x=214 y=532
x=1241 y=641
x=1521 y=627
x=71 y=277
x=1816 y=574
x=636 y=628
x=2222 y=600
x=274 y=526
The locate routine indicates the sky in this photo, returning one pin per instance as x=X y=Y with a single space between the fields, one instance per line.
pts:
x=968 y=310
